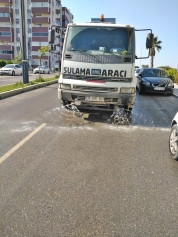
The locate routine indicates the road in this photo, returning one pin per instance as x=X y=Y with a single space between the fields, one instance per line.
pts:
x=6 y=79
x=71 y=176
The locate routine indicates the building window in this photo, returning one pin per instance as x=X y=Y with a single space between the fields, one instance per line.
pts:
x=3 y=14
x=40 y=4
x=17 y=21
x=3 y=33
x=40 y=43
x=39 y=34
x=6 y=52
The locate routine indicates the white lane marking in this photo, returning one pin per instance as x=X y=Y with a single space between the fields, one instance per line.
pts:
x=11 y=151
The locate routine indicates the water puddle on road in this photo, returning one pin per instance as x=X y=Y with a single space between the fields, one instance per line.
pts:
x=71 y=116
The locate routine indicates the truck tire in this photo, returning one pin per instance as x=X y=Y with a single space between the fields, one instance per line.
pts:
x=173 y=142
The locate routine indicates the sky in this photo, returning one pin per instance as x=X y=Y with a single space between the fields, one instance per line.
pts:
x=159 y=15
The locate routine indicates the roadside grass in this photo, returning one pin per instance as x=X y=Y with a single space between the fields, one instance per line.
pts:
x=20 y=84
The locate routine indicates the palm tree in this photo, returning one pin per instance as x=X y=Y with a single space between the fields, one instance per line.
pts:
x=156 y=45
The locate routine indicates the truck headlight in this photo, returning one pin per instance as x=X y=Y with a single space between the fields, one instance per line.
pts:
x=126 y=90
x=65 y=86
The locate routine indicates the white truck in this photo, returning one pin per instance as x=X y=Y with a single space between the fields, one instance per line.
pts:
x=98 y=62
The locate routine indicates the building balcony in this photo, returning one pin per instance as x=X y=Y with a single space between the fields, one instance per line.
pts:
x=58 y=7
x=40 y=29
x=58 y=20
x=41 y=10
x=6 y=10
x=49 y=1
x=7 y=47
x=5 y=38
x=6 y=19
x=35 y=48
x=39 y=39
x=6 y=1
x=41 y=20
x=58 y=1
x=6 y=56
x=45 y=57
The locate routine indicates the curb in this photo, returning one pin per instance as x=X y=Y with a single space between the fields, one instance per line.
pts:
x=25 y=89
x=175 y=95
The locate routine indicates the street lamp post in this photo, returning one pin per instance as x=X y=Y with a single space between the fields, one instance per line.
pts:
x=140 y=58
x=24 y=48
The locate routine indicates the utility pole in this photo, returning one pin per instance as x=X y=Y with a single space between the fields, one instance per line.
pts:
x=24 y=44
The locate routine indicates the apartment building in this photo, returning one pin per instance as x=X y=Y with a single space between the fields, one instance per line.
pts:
x=40 y=16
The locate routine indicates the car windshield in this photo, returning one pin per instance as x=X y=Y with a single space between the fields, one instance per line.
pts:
x=100 y=39
x=154 y=73
x=137 y=71
x=9 y=66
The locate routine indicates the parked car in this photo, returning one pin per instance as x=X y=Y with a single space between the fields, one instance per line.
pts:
x=137 y=70
x=154 y=80
x=41 y=69
x=11 y=69
x=173 y=139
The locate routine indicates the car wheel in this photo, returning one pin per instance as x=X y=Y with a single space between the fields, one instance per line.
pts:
x=140 y=89
x=48 y=72
x=13 y=73
x=173 y=142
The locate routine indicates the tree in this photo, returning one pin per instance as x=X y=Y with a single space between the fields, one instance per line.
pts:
x=2 y=63
x=43 y=50
x=173 y=74
x=157 y=46
x=17 y=59
x=9 y=62
x=145 y=66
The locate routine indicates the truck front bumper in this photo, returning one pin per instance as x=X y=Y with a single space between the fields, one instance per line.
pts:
x=81 y=98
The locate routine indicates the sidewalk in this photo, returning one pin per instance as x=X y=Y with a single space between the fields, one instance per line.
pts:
x=175 y=90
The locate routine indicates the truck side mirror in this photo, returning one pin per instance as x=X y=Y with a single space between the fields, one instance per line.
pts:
x=149 y=40
x=51 y=36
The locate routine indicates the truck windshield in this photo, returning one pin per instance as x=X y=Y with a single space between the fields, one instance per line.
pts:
x=101 y=40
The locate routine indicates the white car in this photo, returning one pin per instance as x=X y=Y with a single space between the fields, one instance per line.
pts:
x=173 y=139
x=41 y=69
x=137 y=71
x=11 y=69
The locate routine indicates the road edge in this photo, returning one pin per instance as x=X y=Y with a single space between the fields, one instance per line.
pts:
x=4 y=95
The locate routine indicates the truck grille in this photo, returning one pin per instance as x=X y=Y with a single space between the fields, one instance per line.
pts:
x=91 y=88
